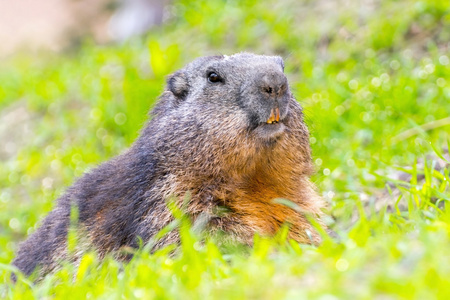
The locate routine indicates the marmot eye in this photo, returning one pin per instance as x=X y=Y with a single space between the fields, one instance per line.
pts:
x=213 y=77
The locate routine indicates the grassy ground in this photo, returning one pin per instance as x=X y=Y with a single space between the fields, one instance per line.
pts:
x=374 y=81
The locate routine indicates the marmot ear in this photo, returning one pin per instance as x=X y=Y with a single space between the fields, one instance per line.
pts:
x=178 y=84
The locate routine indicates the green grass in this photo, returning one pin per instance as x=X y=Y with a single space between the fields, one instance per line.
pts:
x=374 y=82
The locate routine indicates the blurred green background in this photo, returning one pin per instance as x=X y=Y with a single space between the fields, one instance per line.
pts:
x=373 y=78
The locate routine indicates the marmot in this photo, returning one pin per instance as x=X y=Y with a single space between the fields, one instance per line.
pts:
x=226 y=132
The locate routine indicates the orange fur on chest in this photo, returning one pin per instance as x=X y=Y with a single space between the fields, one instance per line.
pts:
x=258 y=209
x=249 y=191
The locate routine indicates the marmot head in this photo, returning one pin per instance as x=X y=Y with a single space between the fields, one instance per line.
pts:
x=248 y=91
x=229 y=116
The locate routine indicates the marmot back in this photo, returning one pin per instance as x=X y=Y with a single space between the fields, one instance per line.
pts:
x=226 y=133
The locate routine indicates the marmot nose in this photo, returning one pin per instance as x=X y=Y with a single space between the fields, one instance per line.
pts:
x=274 y=84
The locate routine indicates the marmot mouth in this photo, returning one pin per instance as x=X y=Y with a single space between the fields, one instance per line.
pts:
x=270 y=129
x=273 y=127
x=274 y=116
